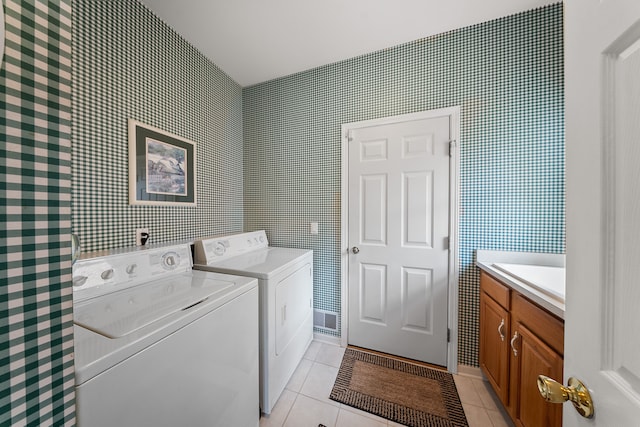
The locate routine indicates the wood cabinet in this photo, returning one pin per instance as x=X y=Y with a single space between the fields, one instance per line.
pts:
x=533 y=344
x=495 y=332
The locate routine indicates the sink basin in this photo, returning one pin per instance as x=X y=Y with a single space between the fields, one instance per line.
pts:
x=549 y=280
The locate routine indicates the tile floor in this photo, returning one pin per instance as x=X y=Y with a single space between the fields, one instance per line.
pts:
x=305 y=402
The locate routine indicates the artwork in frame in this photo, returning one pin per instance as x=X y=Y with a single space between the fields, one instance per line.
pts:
x=162 y=167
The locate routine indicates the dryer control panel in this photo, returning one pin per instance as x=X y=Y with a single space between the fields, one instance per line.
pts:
x=219 y=248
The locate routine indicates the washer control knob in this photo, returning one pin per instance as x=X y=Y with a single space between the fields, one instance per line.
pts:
x=170 y=260
x=107 y=274
x=131 y=269
x=79 y=281
x=220 y=249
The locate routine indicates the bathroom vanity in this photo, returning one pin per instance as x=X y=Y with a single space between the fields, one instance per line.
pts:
x=522 y=330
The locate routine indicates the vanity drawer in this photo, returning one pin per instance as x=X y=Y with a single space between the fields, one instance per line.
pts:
x=496 y=290
x=546 y=326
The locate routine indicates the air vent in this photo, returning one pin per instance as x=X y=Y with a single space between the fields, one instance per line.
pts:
x=327 y=320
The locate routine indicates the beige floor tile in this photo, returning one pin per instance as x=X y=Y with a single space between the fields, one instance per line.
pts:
x=308 y=412
x=351 y=419
x=314 y=379
x=312 y=351
x=300 y=374
x=499 y=419
x=280 y=410
x=477 y=416
x=344 y=407
x=486 y=393
x=319 y=383
x=330 y=355
x=467 y=391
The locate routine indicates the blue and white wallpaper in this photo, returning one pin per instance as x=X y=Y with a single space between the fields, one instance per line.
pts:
x=507 y=76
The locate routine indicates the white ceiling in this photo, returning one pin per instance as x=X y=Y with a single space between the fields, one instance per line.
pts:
x=258 y=40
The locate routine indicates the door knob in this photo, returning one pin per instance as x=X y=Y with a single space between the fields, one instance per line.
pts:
x=554 y=392
x=355 y=249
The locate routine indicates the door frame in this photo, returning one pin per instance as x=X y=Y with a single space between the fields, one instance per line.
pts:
x=454 y=196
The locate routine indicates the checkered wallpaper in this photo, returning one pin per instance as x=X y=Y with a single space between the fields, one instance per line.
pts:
x=507 y=75
x=36 y=325
x=128 y=64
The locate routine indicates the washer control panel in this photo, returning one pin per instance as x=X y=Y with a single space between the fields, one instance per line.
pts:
x=105 y=274
x=218 y=248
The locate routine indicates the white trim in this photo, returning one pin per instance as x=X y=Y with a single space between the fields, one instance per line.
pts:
x=344 y=236
x=327 y=339
x=454 y=192
x=454 y=197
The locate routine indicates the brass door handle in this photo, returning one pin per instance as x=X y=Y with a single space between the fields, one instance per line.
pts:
x=554 y=392
x=501 y=330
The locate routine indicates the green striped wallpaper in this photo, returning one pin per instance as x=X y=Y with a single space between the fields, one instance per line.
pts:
x=36 y=325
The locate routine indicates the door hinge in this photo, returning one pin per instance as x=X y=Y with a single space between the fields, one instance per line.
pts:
x=452 y=146
x=448 y=335
x=446 y=243
x=349 y=135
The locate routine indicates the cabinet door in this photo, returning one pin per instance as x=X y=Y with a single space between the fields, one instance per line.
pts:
x=531 y=357
x=494 y=340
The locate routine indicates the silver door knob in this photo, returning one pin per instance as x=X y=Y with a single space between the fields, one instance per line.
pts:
x=355 y=250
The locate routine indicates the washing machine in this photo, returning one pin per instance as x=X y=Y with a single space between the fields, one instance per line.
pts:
x=285 y=282
x=158 y=344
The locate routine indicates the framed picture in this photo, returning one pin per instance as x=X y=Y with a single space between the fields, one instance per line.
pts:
x=162 y=167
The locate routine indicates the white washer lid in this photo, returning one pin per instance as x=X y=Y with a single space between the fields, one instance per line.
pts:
x=95 y=353
x=261 y=264
x=120 y=313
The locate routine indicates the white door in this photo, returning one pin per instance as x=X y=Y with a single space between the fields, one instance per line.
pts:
x=602 y=320
x=398 y=227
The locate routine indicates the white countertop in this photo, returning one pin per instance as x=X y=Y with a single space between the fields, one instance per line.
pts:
x=539 y=277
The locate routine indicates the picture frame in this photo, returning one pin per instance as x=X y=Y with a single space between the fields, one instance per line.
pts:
x=162 y=167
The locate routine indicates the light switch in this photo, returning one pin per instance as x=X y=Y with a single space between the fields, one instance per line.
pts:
x=314 y=228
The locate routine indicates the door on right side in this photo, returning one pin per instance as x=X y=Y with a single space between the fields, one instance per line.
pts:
x=602 y=319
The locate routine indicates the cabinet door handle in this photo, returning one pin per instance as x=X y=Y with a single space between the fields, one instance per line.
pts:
x=513 y=341
x=501 y=330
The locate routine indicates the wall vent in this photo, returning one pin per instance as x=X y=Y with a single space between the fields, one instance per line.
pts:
x=327 y=320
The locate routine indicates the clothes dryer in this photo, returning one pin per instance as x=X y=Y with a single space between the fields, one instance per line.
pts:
x=285 y=282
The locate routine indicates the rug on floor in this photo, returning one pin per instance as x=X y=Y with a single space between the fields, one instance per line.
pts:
x=399 y=391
